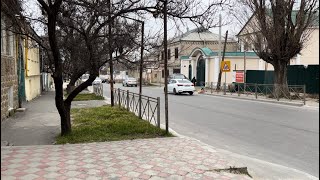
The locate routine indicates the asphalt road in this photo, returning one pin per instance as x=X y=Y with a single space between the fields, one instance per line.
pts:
x=279 y=134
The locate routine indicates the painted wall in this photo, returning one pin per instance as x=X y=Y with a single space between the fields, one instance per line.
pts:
x=237 y=63
x=9 y=76
x=32 y=79
x=310 y=53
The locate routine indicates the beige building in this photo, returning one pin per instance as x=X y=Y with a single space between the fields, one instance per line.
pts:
x=308 y=55
x=32 y=70
x=204 y=64
x=9 y=75
x=184 y=45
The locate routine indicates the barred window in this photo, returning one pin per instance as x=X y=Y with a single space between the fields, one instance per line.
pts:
x=176 y=53
x=3 y=35
x=10 y=43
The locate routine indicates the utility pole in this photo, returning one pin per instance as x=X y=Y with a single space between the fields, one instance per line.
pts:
x=219 y=52
x=224 y=51
x=141 y=68
x=165 y=44
x=110 y=55
x=244 y=68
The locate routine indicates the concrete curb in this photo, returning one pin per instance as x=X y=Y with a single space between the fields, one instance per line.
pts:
x=259 y=100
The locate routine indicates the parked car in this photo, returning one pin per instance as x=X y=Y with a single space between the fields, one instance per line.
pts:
x=97 y=81
x=130 y=81
x=179 y=86
x=176 y=76
x=85 y=77
x=108 y=81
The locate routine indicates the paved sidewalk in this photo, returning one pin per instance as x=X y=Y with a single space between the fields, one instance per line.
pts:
x=160 y=158
x=40 y=123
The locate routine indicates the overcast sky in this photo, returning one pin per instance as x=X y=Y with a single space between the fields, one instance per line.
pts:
x=153 y=25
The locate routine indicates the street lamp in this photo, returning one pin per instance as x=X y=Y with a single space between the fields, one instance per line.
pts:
x=165 y=44
x=110 y=54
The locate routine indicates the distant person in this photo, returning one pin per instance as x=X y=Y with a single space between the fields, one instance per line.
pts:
x=194 y=81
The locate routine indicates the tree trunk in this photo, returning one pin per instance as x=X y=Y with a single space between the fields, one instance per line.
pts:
x=71 y=86
x=64 y=111
x=67 y=117
x=280 y=80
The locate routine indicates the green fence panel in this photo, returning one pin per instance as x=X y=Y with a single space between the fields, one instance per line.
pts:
x=296 y=75
x=312 y=79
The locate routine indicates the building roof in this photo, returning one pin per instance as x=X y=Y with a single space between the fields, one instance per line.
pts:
x=198 y=34
x=294 y=13
x=208 y=52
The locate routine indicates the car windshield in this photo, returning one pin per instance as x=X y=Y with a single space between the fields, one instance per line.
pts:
x=85 y=76
x=179 y=76
x=183 y=81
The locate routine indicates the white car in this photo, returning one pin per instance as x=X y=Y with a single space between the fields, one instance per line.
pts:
x=97 y=81
x=178 y=86
x=130 y=81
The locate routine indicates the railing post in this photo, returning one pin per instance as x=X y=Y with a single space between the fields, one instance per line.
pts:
x=140 y=106
x=119 y=98
x=276 y=92
x=158 y=112
x=225 y=88
x=211 y=87
x=256 y=90
x=128 y=100
x=244 y=88
x=148 y=104
x=304 y=94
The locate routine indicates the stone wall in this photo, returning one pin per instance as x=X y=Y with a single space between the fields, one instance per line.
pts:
x=9 y=78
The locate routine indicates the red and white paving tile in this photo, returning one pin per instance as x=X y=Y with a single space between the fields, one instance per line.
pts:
x=161 y=158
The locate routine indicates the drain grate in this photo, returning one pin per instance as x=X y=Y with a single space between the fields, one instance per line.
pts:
x=235 y=170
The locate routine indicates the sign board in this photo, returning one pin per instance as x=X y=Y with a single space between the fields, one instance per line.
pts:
x=239 y=76
x=225 y=66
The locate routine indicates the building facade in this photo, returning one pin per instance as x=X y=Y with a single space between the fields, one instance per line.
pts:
x=20 y=62
x=184 y=45
x=9 y=75
x=32 y=70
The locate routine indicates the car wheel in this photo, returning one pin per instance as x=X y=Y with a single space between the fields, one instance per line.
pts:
x=136 y=85
x=174 y=91
x=191 y=93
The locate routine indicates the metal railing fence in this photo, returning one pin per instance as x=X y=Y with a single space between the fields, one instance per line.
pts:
x=269 y=91
x=150 y=107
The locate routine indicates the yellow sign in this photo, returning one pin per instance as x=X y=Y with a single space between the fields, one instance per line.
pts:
x=225 y=66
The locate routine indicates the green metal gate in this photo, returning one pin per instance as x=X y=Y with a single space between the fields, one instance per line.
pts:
x=201 y=71
x=190 y=72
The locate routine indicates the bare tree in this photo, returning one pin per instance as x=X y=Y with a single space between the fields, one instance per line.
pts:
x=88 y=20
x=280 y=33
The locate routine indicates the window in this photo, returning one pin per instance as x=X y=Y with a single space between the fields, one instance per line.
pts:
x=162 y=73
x=162 y=55
x=176 y=53
x=169 y=54
x=176 y=70
x=10 y=97
x=155 y=75
x=184 y=81
x=3 y=35
x=10 y=43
